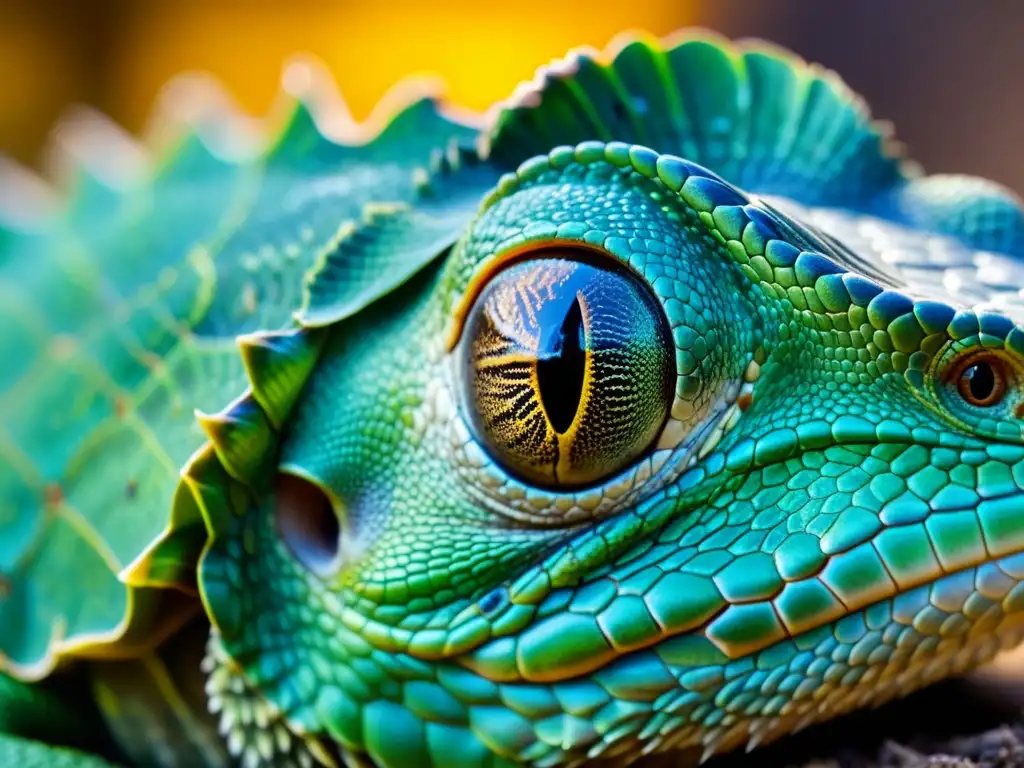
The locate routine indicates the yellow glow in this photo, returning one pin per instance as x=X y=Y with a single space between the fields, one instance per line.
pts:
x=482 y=50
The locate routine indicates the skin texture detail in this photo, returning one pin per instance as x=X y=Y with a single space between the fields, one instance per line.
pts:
x=669 y=415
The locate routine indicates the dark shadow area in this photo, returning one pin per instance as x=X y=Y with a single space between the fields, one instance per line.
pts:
x=955 y=723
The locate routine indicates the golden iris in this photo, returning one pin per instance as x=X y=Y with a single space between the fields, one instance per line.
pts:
x=981 y=381
x=569 y=369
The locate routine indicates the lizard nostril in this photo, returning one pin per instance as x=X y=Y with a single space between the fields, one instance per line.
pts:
x=308 y=524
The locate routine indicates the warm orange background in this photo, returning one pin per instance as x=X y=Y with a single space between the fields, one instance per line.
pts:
x=118 y=55
x=946 y=71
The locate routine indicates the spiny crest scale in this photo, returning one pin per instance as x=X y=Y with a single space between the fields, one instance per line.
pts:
x=748 y=110
x=277 y=364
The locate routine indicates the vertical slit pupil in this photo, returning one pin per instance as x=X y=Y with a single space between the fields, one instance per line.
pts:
x=560 y=372
x=982 y=381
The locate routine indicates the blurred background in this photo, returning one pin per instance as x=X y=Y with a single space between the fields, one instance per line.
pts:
x=947 y=72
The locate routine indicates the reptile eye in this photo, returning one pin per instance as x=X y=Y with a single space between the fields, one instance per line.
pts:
x=570 y=372
x=982 y=381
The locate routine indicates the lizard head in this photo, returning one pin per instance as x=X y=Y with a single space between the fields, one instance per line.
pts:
x=641 y=462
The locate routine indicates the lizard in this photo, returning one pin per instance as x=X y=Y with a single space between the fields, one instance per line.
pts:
x=665 y=411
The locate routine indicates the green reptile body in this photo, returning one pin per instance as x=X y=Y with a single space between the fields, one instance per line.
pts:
x=665 y=412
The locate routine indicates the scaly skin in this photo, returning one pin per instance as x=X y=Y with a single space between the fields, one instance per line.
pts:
x=779 y=494
x=843 y=529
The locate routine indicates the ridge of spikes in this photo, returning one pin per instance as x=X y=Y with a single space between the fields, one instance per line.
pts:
x=242 y=438
x=224 y=474
x=244 y=434
x=195 y=129
x=277 y=364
